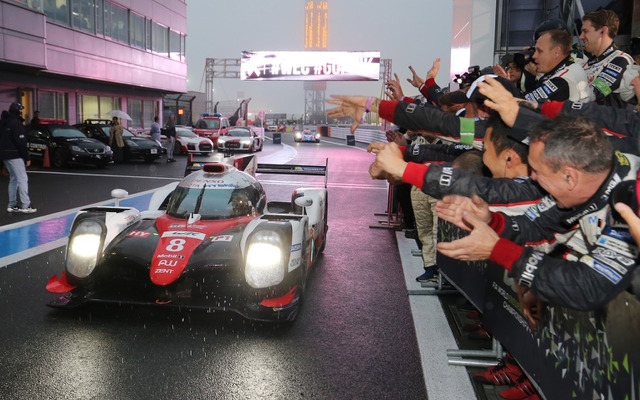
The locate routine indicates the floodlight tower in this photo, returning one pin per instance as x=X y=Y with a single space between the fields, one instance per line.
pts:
x=315 y=38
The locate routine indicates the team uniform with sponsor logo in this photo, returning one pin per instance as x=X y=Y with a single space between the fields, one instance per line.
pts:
x=621 y=124
x=605 y=73
x=581 y=259
x=567 y=81
x=512 y=196
x=447 y=126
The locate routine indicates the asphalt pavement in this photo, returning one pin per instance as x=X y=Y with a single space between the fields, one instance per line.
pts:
x=354 y=338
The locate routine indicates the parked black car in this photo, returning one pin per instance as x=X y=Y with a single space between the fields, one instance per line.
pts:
x=65 y=145
x=135 y=147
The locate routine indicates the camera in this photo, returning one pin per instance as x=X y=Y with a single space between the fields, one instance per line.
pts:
x=465 y=80
x=522 y=59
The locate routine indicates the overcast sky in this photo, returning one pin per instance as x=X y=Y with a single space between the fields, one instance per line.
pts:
x=409 y=32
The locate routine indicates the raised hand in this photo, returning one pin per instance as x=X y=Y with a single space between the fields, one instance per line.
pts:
x=474 y=247
x=415 y=80
x=433 y=72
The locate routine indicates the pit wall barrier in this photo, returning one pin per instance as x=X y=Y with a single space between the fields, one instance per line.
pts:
x=364 y=133
x=572 y=354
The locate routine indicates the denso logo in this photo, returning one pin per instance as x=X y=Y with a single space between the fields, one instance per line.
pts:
x=190 y=226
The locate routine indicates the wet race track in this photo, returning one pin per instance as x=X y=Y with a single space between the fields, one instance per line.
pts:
x=353 y=339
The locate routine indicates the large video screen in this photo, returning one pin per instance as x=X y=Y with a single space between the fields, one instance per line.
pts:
x=310 y=65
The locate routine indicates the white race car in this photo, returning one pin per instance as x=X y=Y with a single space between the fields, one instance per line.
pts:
x=189 y=142
x=210 y=241
x=241 y=139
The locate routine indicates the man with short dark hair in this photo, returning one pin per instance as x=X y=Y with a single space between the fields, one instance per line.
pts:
x=14 y=153
x=606 y=65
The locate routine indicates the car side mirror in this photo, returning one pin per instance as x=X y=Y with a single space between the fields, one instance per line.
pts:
x=119 y=194
x=304 y=201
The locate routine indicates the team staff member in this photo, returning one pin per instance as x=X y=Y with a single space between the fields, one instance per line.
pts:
x=573 y=160
x=467 y=130
x=623 y=124
x=606 y=66
x=562 y=79
x=504 y=156
x=15 y=155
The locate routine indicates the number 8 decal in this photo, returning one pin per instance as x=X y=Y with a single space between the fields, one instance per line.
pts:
x=176 y=245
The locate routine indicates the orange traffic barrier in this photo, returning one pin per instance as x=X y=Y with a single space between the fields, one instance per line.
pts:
x=45 y=160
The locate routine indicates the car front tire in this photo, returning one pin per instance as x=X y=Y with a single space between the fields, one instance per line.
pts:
x=59 y=158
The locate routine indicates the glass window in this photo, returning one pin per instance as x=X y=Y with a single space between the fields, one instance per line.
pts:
x=107 y=104
x=149 y=110
x=160 y=39
x=88 y=108
x=174 y=45
x=32 y=4
x=148 y=34
x=116 y=22
x=183 y=47
x=83 y=15
x=137 y=31
x=96 y=107
x=99 y=17
x=53 y=105
x=57 y=10
x=134 y=109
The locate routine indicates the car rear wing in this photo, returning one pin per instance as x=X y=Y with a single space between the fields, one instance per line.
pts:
x=295 y=169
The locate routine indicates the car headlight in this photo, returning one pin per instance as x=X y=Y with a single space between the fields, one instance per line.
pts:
x=298 y=135
x=77 y=149
x=107 y=149
x=84 y=248
x=221 y=140
x=264 y=264
x=245 y=141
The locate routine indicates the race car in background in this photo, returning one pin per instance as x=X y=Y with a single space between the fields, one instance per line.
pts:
x=210 y=241
x=241 y=139
x=306 y=136
x=189 y=142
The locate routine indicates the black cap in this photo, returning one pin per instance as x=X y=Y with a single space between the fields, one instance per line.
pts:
x=474 y=94
x=16 y=108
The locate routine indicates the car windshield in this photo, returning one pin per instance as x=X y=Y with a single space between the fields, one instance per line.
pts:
x=239 y=133
x=66 y=132
x=209 y=124
x=185 y=133
x=210 y=201
x=125 y=133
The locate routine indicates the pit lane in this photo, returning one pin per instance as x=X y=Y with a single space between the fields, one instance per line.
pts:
x=354 y=337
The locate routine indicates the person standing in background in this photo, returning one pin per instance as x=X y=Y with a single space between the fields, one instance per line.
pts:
x=170 y=131
x=154 y=133
x=15 y=155
x=115 y=134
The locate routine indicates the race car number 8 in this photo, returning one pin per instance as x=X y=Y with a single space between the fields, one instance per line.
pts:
x=176 y=245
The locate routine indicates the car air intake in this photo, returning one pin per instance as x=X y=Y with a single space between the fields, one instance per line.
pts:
x=215 y=168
